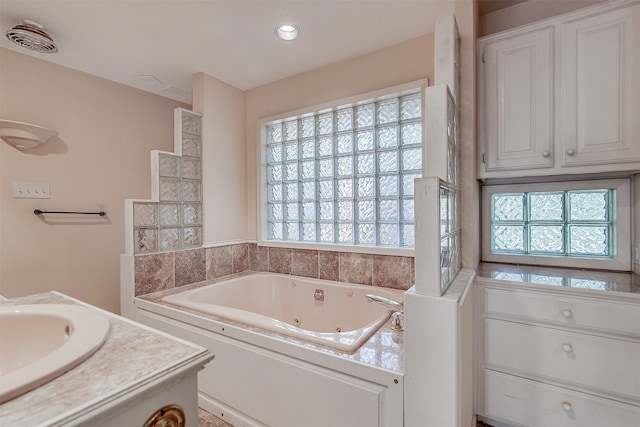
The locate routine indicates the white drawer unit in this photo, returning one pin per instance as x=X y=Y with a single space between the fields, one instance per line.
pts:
x=520 y=401
x=573 y=312
x=600 y=365
x=557 y=357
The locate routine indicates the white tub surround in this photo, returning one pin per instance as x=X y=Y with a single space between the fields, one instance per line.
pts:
x=136 y=372
x=261 y=377
x=324 y=312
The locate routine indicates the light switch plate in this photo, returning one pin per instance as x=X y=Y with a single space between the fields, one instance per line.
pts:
x=31 y=190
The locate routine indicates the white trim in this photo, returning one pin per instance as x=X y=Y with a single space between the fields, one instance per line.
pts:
x=227 y=243
x=318 y=246
x=261 y=162
x=622 y=229
x=352 y=101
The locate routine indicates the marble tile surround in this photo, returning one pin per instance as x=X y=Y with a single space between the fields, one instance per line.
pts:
x=161 y=271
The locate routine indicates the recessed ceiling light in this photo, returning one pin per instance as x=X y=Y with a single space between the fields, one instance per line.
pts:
x=287 y=32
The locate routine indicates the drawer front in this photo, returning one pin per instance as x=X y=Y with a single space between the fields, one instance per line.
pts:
x=605 y=316
x=518 y=401
x=601 y=365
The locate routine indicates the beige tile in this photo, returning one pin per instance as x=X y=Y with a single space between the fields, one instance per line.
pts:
x=190 y=266
x=392 y=272
x=258 y=258
x=356 y=268
x=219 y=261
x=329 y=265
x=280 y=260
x=153 y=272
x=240 y=255
x=304 y=263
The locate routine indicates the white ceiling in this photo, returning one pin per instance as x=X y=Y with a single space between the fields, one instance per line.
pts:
x=232 y=40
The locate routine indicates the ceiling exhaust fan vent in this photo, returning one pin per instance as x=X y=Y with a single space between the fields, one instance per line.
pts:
x=31 y=35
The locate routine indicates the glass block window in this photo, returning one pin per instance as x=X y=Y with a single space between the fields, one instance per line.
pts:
x=565 y=223
x=175 y=221
x=583 y=221
x=345 y=176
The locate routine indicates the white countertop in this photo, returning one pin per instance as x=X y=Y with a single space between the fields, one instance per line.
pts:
x=132 y=357
x=623 y=285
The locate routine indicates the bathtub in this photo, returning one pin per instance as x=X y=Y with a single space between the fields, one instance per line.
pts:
x=277 y=374
x=333 y=314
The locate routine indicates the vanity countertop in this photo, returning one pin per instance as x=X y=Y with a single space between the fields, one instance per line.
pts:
x=588 y=282
x=133 y=357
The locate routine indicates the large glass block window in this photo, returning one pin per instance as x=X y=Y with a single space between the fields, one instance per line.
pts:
x=575 y=223
x=345 y=176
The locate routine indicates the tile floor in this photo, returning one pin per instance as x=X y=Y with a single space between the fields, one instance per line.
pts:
x=205 y=419
x=209 y=420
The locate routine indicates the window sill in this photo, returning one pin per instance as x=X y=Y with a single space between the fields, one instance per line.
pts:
x=560 y=278
x=374 y=250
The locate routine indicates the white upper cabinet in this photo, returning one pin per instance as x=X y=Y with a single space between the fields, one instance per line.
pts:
x=600 y=67
x=518 y=98
x=562 y=96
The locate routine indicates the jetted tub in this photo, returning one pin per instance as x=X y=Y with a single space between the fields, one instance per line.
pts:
x=333 y=314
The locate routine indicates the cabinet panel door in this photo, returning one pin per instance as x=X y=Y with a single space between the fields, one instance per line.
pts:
x=600 y=65
x=518 y=102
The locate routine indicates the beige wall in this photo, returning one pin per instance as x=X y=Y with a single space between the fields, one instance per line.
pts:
x=636 y=266
x=527 y=12
x=106 y=132
x=467 y=19
x=224 y=154
x=401 y=63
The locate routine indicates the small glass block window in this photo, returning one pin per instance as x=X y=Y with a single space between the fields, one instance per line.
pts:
x=559 y=223
x=349 y=172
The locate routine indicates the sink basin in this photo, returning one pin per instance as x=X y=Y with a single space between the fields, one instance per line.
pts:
x=39 y=342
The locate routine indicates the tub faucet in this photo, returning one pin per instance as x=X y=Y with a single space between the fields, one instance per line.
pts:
x=396 y=308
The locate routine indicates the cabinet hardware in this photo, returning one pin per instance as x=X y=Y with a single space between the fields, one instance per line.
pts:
x=566 y=313
x=567 y=407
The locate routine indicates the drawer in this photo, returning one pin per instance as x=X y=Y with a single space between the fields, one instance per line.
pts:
x=600 y=365
x=604 y=316
x=523 y=402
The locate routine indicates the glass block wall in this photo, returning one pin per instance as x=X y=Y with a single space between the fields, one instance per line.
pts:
x=450 y=229
x=346 y=176
x=175 y=220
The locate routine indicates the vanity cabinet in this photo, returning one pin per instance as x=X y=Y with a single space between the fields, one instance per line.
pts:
x=561 y=96
x=557 y=359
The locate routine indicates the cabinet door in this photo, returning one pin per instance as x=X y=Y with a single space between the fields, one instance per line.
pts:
x=518 y=87
x=600 y=91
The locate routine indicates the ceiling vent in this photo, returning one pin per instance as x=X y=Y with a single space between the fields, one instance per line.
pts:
x=31 y=35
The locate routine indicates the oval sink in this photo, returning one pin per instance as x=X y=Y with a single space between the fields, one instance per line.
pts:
x=39 y=342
